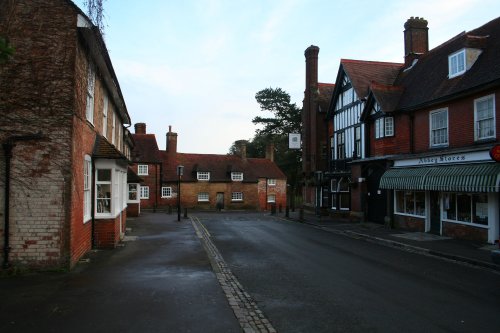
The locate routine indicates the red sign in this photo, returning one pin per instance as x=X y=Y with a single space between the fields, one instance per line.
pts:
x=495 y=153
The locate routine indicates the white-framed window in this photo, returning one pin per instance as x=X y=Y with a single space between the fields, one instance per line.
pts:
x=105 y=115
x=484 y=118
x=166 y=192
x=89 y=111
x=341 y=196
x=103 y=191
x=237 y=196
x=87 y=184
x=203 y=175
x=144 y=192
x=456 y=64
x=466 y=207
x=271 y=198
x=271 y=182
x=384 y=127
x=237 y=176
x=438 y=124
x=410 y=202
x=132 y=192
x=203 y=197
x=142 y=170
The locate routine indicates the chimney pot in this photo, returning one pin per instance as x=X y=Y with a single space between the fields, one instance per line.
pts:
x=416 y=38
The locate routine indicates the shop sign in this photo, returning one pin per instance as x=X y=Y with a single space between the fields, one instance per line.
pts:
x=445 y=159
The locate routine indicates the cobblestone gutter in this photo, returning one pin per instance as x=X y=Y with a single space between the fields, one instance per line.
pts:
x=251 y=319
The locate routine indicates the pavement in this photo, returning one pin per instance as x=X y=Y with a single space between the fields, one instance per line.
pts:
x=462 y=251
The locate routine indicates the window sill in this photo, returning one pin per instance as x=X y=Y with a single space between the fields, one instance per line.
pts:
x=410 y=215
x=470 y=224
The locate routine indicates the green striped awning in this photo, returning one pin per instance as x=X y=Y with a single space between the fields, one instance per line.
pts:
x=456 y=178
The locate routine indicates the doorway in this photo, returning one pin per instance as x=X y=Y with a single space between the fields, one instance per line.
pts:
x=435 y=207
x=219 y=201
x=376 y=199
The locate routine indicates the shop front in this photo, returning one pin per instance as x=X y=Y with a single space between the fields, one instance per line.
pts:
x=452 y=195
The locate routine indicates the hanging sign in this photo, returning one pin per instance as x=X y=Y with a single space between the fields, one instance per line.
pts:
x=495 y=153
x=294 y=141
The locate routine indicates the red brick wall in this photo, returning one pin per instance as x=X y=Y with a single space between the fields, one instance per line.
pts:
x=133 y=209
x=409 y=223
x=153 y=180
x=462 y=231
x=397 y=144
x=38 y=92
x=107 y=231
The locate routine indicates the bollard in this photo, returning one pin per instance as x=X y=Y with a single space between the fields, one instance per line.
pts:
x=287 y=211
x=185 y=213
x=301 y=214
x=280 y=209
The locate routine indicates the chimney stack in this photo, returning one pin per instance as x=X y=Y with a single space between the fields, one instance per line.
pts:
x=242 y=147
x=270 y=152
x=171 y=141
x=140 y=128
x=416 y=39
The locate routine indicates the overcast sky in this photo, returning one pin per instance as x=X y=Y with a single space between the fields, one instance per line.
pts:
x=197 y=65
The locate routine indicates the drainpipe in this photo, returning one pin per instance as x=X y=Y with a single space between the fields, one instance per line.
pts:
x=8 y=146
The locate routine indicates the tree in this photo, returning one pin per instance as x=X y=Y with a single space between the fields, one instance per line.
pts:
x=95 y=11
x=285 y=119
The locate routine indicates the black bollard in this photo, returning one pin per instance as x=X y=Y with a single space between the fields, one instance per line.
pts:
x=287 y=211
x=301 y=214
x=185 y=213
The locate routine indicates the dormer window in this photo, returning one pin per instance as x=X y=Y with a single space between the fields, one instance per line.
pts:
x=456 y=64
x=203 y=175
x=237 y=176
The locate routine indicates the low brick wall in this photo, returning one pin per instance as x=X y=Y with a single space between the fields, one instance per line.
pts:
x=462 y=231
x=409 y=223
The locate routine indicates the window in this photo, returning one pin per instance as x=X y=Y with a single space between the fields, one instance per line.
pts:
x=456 y=64
x=384 y=127
x=203 y=196
x=166 y=192
x=105 y=116
x=357 y=141
x=410 y=202
x=237 y=196
x=271 y=198
x=87 y=182
x=484 y=118
x=132 y=192
x=103 y=191
x=341 y=196
x=439 y=128
x=113 y=126
x=341 y=145
x=237 y=176
x=466 y=207
x=90 y=93
x=271 y=182
x=144 y=192
x=203 y=175
x=142 y=170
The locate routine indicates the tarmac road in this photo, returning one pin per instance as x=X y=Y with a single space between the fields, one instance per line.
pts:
x=309 y=280
x=160 y=282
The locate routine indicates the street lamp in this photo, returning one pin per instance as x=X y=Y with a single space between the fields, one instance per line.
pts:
x=180 y=172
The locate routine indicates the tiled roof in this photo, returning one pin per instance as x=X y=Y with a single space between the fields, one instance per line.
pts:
x=220 y=167
x=104 y=149
x=387 y=96
x=363 y=73
x=146 y=149
x=432 y=69
x=325 y=95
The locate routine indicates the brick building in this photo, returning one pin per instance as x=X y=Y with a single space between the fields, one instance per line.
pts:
x=411 y=141
x=209 y=181
x=63 y=167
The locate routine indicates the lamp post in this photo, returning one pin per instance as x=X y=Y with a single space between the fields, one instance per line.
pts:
x=319 y=180
x=180 y=171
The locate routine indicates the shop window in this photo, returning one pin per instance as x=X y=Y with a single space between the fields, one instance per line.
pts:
x=410 y=202
x=341 y=196
x=466 y=207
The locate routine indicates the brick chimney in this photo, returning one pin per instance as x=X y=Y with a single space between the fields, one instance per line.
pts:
x=416 y=39
x=140 y=128
x=309 y=115
x=171 y=141
x=270 y=152
x=242 y=149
